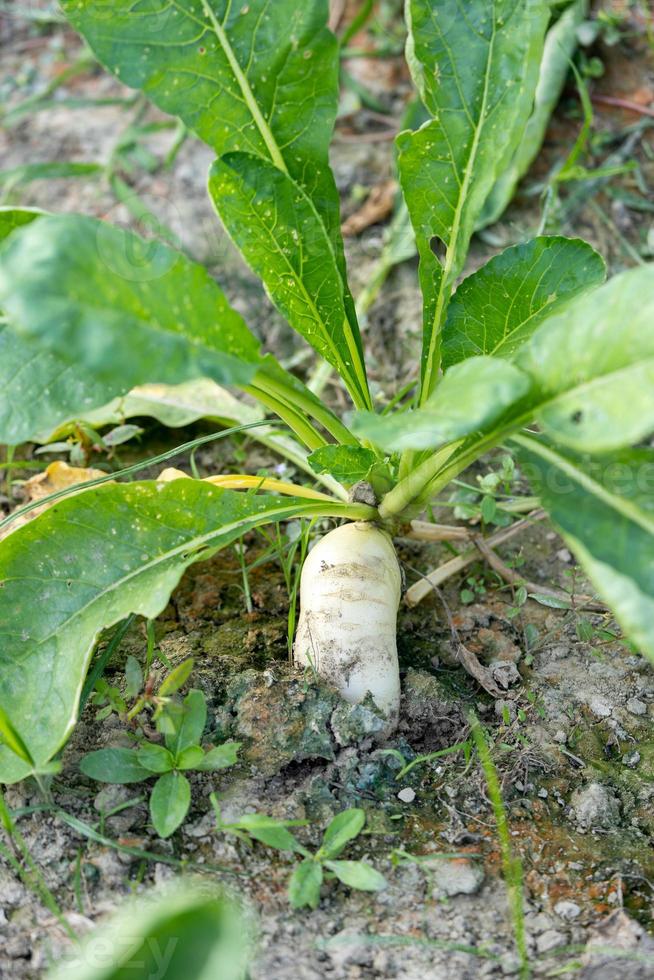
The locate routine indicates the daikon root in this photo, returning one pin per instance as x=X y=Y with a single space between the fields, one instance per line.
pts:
x=349 y=596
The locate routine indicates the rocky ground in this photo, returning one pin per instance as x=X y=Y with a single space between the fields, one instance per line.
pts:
x=571 y=739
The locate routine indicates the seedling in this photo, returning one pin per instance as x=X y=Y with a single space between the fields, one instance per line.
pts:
x=532 y=351
x=181 y=752
x=307 y=878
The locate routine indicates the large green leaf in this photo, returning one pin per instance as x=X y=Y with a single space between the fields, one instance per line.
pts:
x=94 y=310
x=87 y=563
x=187 y=930
x=476 y=70
x=500 y=305
x=260 y=77
x=593 y=366
x=471 y=395
x=128 y=308
x=38 y=387
x=281 y=236
x=604 y=507
x=560 y=44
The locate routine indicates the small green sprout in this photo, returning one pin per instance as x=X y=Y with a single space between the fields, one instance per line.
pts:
x=180 y=752
x=307 y=878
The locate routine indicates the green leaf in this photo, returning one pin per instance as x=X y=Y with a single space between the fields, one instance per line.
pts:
x=476 y=73
x=221 y=757
x=187 y=931
x=358 y=874
x=472 y=394
x=189 y=726
x=114 y=766
x=133 y=677
x=38 y=387
x=70 y=573
x=604 y=508
x=278 y=230
x=169 y=802
x=132 y=310
x=269 y=831
x=156 y=758
x=304 y=886
x=343 y=828
x=499 y=306
x=175 y=405
x=592 y=366
x=560 y=44
x=176 y=678
x=347 y=464
x=260 y=78
x=12 y=218
x=190 y=758
x=11 y=738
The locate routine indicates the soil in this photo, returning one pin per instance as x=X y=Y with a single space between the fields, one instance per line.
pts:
x=572 y=738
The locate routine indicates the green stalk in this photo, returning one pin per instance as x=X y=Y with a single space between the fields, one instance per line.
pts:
x=511 y=865
x=428 y=479
x=299 y=400
x=412 y=487
x=295 y=421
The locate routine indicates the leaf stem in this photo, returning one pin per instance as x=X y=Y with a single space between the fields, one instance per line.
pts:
x=305 y=403
x=295 y=420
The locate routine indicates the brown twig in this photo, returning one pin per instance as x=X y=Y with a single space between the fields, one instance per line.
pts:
x=419 y=590
x=425 y=531
x=513 y=578
x=336 y=11
x=627 y=104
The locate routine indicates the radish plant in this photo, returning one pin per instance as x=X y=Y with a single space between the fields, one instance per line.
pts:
x=532 y=351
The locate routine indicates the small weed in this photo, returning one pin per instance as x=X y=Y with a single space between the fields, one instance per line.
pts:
x=306 y=880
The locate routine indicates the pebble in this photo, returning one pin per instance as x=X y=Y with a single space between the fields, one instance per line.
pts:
x=599 y=707
x=631 y=759
x=407 y=795
x=596 y=807
x=567 y=910
x=457 y=877
x=550 y=940
x=636 y=707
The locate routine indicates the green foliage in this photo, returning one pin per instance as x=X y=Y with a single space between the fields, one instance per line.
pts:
x=582 y=374
x=476 y=75
x=125 y=306
x=171 y=794
x=307 y=878
x=189 y=929
x=604 y=507
x=80 y=591
x=280 y=233
x=347 y=464
x=500 y=306
x=560 y=44
x=472 y=394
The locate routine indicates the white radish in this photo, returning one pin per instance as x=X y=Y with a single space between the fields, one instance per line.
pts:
x=349 y=595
